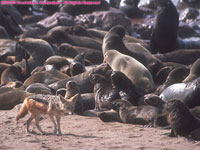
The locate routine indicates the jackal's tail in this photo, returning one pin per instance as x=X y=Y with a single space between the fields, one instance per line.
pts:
x=23 y=111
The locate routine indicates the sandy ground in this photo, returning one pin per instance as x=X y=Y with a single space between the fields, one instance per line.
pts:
x=87 y=133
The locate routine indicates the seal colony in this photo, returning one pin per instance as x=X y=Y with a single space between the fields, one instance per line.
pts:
x=110 y=74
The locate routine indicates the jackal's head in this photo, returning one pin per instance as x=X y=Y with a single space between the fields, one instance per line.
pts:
x=68 y=104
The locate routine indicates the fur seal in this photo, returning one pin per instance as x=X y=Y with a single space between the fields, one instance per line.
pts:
x=35 y=47
x=188 y=93
x=130 y=8
x=164 y=35
x=3 y=33
x=46 y=77
x=175 y=76
x=114 y=40
x=92 y=55
x=71 y=90
x=85 y=101
x=183 y=56
x=103 y=91
x=11 y=98
x=182 y=122
x=77 y=66
x=142 y=115
x=12 y=74
x=133 y=69
x=109 y=116
x=57 y=62
x=82 y=80
x=11 y=20
x=39 y=88
x=58 y=37
x=125 y=87
x=194 y=71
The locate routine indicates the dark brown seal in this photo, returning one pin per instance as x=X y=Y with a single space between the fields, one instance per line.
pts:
x=182 y=122
x=125 y=87
x=142 y=115
x=39 y=50
x=164 y=36
x=103 y=91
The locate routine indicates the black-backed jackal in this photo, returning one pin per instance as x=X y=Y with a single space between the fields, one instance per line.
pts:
x=54 y=106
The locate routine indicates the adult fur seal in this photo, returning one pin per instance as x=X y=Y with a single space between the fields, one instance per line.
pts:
x=38 y=49
x=184 y=56
x=182 y=122
x=188 y=93
x=133 y=69
x=93 y=55
x=164 y=35
x=114 y=40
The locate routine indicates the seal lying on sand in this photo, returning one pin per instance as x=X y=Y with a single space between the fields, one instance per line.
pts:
x=142 y=115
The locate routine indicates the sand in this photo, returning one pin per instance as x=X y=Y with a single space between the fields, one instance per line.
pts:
x=87 y=133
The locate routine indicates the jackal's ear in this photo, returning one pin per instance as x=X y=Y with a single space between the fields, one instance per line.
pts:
x=62 y=99
x=74 y=98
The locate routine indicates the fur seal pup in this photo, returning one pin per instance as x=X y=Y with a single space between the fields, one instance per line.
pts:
x=85 y=101
x=164 y=35
x=133 y=69
x=38 y=49
x=71 y=90
x=103 y=91
x=194 y=71
x=77 y=66
x=188 y=93
x=142 y=115
x=182 y=122
x=125 y=87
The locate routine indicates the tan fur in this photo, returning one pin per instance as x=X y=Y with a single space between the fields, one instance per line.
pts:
x=133 y=69
x=54 y=108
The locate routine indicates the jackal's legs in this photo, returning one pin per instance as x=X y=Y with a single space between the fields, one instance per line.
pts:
x=28 y=123
x=58 y=124
x=54 y=123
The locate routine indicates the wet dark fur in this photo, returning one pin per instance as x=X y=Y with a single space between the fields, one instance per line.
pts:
x=180 y=118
